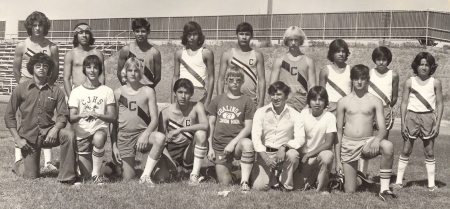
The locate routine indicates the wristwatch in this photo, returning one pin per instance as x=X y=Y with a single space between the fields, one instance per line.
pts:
x=286 y=148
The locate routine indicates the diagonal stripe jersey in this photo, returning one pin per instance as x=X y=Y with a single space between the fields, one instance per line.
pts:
x=148 y=77
x=293 y=74
x=422 y=95
x=31 y=49
x=247 y=62
x=383 y=82
x=177 y=120
x=193 y=68
x=134 y=113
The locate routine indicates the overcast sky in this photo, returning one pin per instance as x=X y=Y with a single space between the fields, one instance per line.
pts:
x=14 y=10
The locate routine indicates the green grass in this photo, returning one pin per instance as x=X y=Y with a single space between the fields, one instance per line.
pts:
x=403 y=55
x=47 y=193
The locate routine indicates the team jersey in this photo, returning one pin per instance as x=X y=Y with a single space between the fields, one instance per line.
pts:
x=380 y=85
x=338 y=84
x=422 y=97
x=193 y=68
x=148 y=73
x=247 y=62
x=177 y=120
x=294 y=75
x=86 y=100
x=32 y=49
x=134 y=113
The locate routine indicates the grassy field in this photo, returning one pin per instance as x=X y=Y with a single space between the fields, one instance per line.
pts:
x=403 y=55
x=47 y=193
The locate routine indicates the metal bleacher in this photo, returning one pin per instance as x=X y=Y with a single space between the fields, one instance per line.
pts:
x=7 y=48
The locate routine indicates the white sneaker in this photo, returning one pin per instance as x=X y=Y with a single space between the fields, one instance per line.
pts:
x=147 y=180
x=49 y=168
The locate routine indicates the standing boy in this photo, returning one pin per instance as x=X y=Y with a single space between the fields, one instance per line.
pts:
x=250 y=61
x=230 y=121
x=421 y=109
x=295 y=69
x=144 y=51
x=195 y=63
x=358 y=109
x=83 y=39
x=383 y=84
x=92 y=107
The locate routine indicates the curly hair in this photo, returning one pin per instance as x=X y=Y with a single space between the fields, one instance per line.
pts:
x=75 y=36
x=189 y=27
x=41 y=18
x=43 y=59
x=430 y=60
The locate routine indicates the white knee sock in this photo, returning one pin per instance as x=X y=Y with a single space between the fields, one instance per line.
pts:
x=47 y=155
x=402 y=163
x=247 y=160
x=97 y=160
x=150 y=165
x=199 y=155
x=18 y=154
x=385 y=177
x=430 y=164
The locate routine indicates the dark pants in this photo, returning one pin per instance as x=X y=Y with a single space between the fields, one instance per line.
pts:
x=67 y=168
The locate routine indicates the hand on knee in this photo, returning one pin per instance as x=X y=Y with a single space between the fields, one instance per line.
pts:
x=292 y=155
x=246 y=145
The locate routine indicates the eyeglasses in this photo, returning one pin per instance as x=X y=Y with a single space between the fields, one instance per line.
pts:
x=40 y=65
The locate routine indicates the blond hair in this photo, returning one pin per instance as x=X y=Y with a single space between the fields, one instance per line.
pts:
x=294 y=31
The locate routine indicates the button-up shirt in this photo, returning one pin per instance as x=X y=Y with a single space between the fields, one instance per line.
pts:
x=272 y=130
x=37 y=106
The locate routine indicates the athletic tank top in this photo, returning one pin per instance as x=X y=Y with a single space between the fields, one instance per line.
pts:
x=133 y=111
x=293 y=74
x=176 y=121
x=32 y=49
x=247 y=62
x=342 y=80
x=193 y=68
x=148 y=73
x=420 y=94
x=383 y=82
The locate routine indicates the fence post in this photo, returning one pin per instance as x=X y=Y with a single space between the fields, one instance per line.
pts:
x=390 y=27
x=426 y=31
x=356 y=25
x=271 y=28
x=109 y=28
x=324 y=21
x=217 y=29
x=168 y=30
x=129 y=32
x=51 y=34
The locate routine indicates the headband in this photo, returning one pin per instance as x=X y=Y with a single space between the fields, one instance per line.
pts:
x=82 y=28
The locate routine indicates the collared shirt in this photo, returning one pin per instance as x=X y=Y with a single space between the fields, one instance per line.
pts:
x=272 y=130
x=37 y=107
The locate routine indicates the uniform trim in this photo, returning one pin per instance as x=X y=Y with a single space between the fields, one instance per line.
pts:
x=336 y=87
x=174 y=125
x=247 y=70
x=285 y=65
x=193 y=73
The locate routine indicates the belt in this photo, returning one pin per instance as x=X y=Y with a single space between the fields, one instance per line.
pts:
x=269 y=149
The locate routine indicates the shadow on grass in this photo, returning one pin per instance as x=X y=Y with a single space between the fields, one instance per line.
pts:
x=424 y=183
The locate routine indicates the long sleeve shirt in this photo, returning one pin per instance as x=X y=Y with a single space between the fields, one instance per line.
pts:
x=272 y=130
x=37 y=106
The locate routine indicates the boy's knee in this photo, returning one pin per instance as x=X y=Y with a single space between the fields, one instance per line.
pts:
x=200 y=137
x=246 y=144
x=387 y=147
x=99 y=139
x=66 y=135
x=326 y=157
x=292 y=155
x=159 y=138
x=429 y=154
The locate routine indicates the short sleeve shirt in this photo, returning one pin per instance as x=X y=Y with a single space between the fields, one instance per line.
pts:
x=231 y=115
x=316 y=128
x=86 y=100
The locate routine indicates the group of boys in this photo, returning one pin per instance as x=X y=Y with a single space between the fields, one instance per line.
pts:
x=294 y=136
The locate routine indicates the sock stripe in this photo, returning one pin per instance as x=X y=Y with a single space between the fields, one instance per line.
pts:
x=402 y=159
x=200 y=152
x=430 y=161
x=248 y=157
x=98 y=154
x=385 y=173
x=200 y=148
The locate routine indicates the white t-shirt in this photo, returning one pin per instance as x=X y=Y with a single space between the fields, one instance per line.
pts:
x=86 y=100
x=316 y=128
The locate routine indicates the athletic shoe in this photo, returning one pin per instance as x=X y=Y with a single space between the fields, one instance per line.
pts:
x=244 y=186
x=71 y=183
x=97 y=180
x=194 y=179
x=285 y=188
x=147 y=180
x=433 y=188
x=386 y=193
x=364 y=178
x=397 y=186
x=49 y=168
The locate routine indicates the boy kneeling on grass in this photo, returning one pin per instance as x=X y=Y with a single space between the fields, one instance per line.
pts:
x=38 y=100
x=92 y=107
